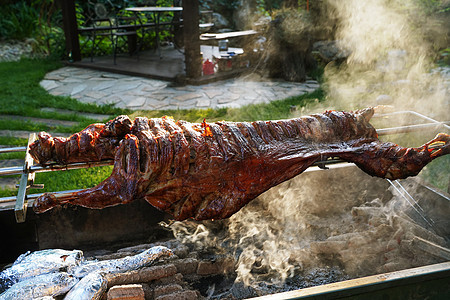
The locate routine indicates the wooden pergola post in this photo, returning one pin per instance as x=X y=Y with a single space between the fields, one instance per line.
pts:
x=70 y=29
x=192 y=55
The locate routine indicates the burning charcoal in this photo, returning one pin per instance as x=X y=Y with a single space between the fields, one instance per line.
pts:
x=345 y=237
x=181 y=251
x=90 y=287
x=417 y=257
x=365 y=213
x=186 y=266
x=178 y=249
x=166 y=289
x=319 y=276
x=97 y=253
x=37 y=263
x=377 y=221
x=52 y=284
x=417 y=247
x=137 y=248
x=123 y=264
x=373 y=216
x=392 y=255
x=176 y=278
x=111 y=256
x=328 y=247
x=431 y=248
x=391 y=245
x=390 y=267
x=357 y=266
x=408 y=226
x=220 y=266
x=242 y=291
x=182 y=295
x=398 y=235
x=381 y=231
x=143 y=275
x=147 y=291
x=131 y=291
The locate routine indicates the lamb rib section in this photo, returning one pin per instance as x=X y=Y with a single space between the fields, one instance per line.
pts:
x=211 y=170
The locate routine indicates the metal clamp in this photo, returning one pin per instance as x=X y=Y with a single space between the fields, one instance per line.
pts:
x=26 y=181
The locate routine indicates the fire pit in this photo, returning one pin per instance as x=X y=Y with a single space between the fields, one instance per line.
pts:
x=370 y=230
x=357 y=228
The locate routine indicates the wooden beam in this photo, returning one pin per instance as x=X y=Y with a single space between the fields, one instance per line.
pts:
x=70 y=29
x=192 y=55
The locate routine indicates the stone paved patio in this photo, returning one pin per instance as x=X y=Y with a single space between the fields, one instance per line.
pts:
x=147 y=94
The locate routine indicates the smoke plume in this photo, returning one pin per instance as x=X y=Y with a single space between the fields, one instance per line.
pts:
x=391 y=56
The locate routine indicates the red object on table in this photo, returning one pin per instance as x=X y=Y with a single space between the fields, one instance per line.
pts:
x=208 y=67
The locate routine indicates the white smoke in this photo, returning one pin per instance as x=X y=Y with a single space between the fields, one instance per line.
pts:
x=319 y=219
x=391 y=58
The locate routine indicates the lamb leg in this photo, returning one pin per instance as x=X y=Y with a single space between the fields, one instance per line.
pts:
x=388 y=160
x=119 y=188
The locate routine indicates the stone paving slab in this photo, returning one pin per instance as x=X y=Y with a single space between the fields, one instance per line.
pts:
x=49 y=122
x=24 y=134
x=97 y=117
x=9 y=182
x=137 y=93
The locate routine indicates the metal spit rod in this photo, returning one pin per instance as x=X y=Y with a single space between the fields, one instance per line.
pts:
x=57 y=167
x=411 y=128
x=32 y=197
x=417 y=115
x=13 y=149
x=411 y=201
x=54 y=167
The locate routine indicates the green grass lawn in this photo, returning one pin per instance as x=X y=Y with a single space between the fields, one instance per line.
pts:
x=21 y=94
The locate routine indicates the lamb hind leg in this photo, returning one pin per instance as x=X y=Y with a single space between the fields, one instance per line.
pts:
x=119 y=188
x=391 y=161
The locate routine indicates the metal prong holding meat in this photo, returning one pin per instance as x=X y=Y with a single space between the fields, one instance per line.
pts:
x=211 y=170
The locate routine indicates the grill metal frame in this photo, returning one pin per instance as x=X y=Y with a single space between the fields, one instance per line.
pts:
x=431 y=278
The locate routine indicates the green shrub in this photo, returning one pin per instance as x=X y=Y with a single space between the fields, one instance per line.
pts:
x=39 y=20
x=18 y=21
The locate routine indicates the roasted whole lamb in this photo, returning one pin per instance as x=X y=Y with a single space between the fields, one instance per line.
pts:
x=211 y=170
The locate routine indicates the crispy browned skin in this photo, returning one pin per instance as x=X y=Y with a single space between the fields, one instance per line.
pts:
x=96 y=142
x=210 y=171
